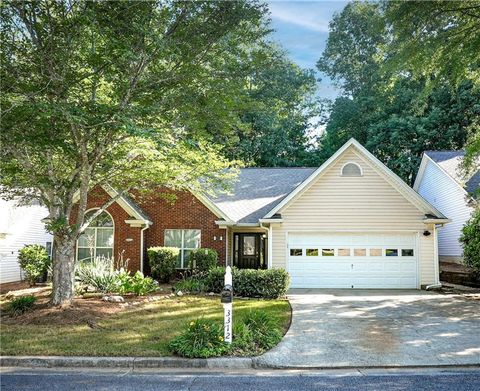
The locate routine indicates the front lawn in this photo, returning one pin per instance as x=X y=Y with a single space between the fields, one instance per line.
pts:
x=141 y=331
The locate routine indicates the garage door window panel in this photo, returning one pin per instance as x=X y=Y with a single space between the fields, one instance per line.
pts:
x=343 y=252
x=360 y=252
x=391 y=252
x=328 y=252
x=312 y=252
x=375 y=252
x=407 y=252
x=296 y=252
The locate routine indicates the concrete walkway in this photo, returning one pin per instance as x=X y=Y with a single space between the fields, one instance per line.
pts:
x=355 y=328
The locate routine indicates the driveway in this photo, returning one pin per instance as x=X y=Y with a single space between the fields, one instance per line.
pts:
x=353 y=328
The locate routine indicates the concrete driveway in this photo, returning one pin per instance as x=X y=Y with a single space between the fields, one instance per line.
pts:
x=353 y=328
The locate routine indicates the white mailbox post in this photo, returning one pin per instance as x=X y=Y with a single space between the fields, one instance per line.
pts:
x=227 y=301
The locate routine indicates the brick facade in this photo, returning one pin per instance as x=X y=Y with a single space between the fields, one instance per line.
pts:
x=185 y=212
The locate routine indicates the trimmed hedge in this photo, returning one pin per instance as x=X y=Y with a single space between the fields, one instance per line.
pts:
x=163 y=261
x=202 y=259
x=268 y=284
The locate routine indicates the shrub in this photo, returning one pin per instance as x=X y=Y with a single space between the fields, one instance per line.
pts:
x=203 y=259
x=269 y=284
x=214 y=279
x=34 y=260
x=190 y=284
x=471 y=241
x=98 y=274
x=22 y=304
x=201 y=338
x=162 y=262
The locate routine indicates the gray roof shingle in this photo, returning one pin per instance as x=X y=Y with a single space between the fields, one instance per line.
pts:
x=259 y=190
x=451 y=161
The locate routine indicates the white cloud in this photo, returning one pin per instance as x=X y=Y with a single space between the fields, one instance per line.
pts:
x=311 y=16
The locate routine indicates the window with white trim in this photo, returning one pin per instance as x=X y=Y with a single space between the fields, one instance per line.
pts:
x=97 y=239
x=184 y=239
x=351 y=169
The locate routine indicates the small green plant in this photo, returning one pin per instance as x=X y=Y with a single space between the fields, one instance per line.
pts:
x=202 y=259
x=21 y=304
x=163 y=261
x=34 y=260
x=141 y=285
x=201 y=338
x=470 y=240
x=265 y=333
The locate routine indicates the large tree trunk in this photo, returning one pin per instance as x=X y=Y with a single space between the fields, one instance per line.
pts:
x=63 y=271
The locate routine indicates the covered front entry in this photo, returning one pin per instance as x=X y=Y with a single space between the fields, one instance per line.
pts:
x=249 y=250
x=352 y=260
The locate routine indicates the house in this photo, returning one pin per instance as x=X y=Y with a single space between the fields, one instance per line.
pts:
x=440 y=182
x=19 y=225
x=350 y=223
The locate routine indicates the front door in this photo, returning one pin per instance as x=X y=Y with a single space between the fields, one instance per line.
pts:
x=249 y=251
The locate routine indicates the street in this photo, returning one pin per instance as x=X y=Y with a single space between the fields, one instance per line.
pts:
x=122 y=380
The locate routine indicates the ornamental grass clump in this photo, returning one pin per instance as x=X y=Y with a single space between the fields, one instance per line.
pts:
x=22 y=304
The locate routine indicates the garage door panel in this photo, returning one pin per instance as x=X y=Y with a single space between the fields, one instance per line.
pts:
x=368 y=265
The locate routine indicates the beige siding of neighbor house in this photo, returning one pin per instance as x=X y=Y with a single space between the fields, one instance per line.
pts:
x=362 y=204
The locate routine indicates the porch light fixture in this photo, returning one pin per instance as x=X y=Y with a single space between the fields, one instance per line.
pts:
x=426 y=233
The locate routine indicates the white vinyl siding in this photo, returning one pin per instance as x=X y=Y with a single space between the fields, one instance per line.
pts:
x=19 y=226
x=333 y=203
x=443 y=193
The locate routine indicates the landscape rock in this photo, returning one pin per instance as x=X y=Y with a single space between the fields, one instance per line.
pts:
x=113 y=299
x=179 y=293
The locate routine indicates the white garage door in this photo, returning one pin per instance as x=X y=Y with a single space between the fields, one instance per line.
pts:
x=352 y=260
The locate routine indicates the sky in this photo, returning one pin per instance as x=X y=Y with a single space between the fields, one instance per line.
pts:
x=301 y=27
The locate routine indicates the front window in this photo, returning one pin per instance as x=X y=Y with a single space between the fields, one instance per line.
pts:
x=97 y=239
x=184 y=239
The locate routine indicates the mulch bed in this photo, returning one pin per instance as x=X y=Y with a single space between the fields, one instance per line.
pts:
x=88 y=310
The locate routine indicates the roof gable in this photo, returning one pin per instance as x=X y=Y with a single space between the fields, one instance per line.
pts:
x=450 y=163
x=408 y=193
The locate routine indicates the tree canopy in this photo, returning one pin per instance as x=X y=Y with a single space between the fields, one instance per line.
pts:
x=131 y=94
x=394 y=111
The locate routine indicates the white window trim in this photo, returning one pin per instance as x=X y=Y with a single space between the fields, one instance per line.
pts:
x=354 y=163
x=96 y=228
x=182 y=248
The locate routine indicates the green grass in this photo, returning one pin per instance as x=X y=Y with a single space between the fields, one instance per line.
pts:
x=144 y=331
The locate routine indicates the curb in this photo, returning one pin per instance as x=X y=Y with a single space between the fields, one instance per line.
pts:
x=125 y=362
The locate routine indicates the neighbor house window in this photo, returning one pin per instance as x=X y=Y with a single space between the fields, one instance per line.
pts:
x=351 y=169
x=97 y=239
x=184 y=239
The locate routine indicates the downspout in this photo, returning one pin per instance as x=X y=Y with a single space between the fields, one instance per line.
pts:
x=437 y=283
x=141 y=246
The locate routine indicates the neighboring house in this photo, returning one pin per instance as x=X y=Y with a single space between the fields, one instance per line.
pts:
x=19 y=225
x=440 y=182
x=351 y=223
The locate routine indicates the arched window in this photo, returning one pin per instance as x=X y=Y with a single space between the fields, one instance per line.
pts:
x=97 y=239
x=351 y=169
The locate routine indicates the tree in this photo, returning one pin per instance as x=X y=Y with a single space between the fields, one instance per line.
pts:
x=118 y=93
x=392 y=113
x=470 y=240
x=277 y=116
